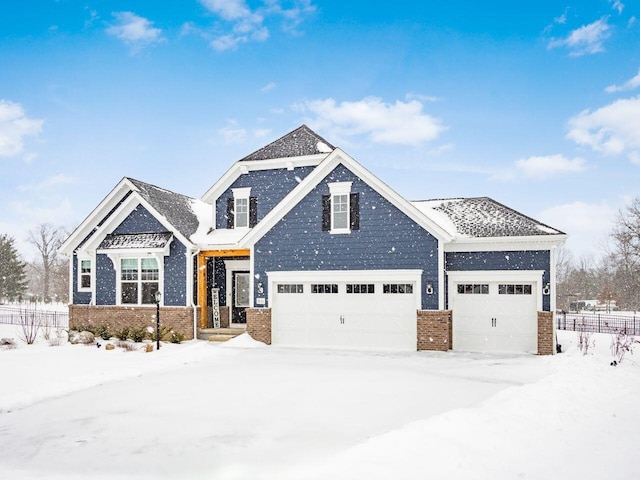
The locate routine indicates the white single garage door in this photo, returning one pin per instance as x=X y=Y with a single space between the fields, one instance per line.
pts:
x=495 y=315
x=350 y=309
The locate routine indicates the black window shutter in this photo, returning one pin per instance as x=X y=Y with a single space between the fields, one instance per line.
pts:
x=230 y=218
x=354 y=213
x=326 y=213
x=253 y=211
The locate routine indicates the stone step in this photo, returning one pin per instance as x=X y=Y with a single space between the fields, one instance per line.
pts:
x=219 y=334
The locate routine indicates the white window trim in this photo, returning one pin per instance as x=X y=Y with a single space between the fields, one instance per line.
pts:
x=115 y=259
x=241 y=194
x=335 y=189
x=92 y=274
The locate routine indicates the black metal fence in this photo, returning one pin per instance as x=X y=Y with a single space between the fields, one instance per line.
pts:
x=20 y=315
x=599 y=322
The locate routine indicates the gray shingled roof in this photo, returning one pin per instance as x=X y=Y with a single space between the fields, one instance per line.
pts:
x=176 y=208
x=301 y=141
x=135 y=240
x=484 y=217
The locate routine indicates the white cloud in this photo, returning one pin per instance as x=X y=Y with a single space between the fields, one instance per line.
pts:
x=268 y=87
x=611 y=130
x=51 y=182
x=548 y=166
x=249 y=25
x=135 y=30
x=401 y=123
x=587 y=224
x=617 y=5
x=14 y=127
x=422 y=98
x=227 y=9
x=231 y=134
x=587 y=39
x=630 y=84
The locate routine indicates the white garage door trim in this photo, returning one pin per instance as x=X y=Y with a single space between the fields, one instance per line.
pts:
x=469 y=332
x=362 y=327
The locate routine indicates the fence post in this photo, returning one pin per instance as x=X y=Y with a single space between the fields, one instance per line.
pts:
x=599 y=324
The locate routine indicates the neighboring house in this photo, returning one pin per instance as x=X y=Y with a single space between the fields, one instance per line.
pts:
x=306 y=247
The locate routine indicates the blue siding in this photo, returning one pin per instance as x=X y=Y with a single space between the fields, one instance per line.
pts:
x=105 y=281
x=139 y=221
x=518 y=260
x=78 y=298
x=387 y=239
x=269 y=186
x=175 y=265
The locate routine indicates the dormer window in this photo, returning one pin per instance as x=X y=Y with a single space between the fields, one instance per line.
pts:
x=340 y=209
x=241 y=209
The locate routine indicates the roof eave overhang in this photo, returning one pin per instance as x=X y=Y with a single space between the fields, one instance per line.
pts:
x=320 y=172
x=245 y=166
x=122 y=212
x=83 y=230
x=514 y=243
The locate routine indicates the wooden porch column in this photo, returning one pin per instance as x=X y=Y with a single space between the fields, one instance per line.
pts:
x=202 y=289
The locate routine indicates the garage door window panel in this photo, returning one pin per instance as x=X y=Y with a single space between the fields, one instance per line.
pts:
x=473 y=288
x=514 y=289
x=400 y=288
x=324 y=288
x=361 y=288
x=290 y=288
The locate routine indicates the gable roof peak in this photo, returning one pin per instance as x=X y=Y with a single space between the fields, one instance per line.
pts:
x=298 y=143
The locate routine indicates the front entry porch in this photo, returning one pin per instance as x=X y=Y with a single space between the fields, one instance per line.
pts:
x=228 y=272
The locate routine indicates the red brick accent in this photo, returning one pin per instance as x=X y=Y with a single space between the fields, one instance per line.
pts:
x=434 y=330
x=179 y=319
x=224 y=317
x=546 y=345
x=259 y=324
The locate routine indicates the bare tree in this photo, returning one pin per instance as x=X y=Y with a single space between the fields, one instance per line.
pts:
x=625 y=240
x=47 y=240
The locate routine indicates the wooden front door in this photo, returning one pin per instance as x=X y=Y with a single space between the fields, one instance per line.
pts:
x=240 y=295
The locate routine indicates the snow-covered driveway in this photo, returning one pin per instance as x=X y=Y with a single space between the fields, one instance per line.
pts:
x=206 y=411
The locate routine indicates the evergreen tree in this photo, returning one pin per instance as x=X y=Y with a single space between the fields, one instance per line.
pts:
x=12 y=270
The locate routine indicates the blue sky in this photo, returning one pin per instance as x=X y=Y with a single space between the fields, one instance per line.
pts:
x=535 y=104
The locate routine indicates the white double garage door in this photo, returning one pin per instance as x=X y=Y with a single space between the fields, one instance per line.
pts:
x=492 y=311
x=349 y=309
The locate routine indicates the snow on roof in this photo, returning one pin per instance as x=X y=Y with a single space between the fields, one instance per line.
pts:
x=135 y=240
x=207 y=237
x=481 y=217
x=300 y=142
x=176 y=208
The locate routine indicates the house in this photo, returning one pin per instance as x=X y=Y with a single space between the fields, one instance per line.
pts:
x=301 y=245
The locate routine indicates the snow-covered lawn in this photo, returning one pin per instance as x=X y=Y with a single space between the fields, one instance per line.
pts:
x=245 y=411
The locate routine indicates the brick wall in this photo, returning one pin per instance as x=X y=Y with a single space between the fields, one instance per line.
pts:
x=259 y=324
x=546 y=344
x=179 y=319
x=434 y=330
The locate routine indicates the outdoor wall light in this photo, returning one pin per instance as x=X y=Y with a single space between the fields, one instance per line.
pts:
x=429 y=288
x=260 y=288
x=547 y=289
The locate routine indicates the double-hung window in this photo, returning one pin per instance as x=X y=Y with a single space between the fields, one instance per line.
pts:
x=139 y=280
x=242 y=209
x=340 y=209
x=85 y=275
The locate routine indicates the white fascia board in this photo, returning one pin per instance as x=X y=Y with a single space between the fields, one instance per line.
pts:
x=321 y=171
x=97 y=214
x=363 y=276
x=496 y=275
x=496 y=244
x=123 y=211
x=242 y=167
